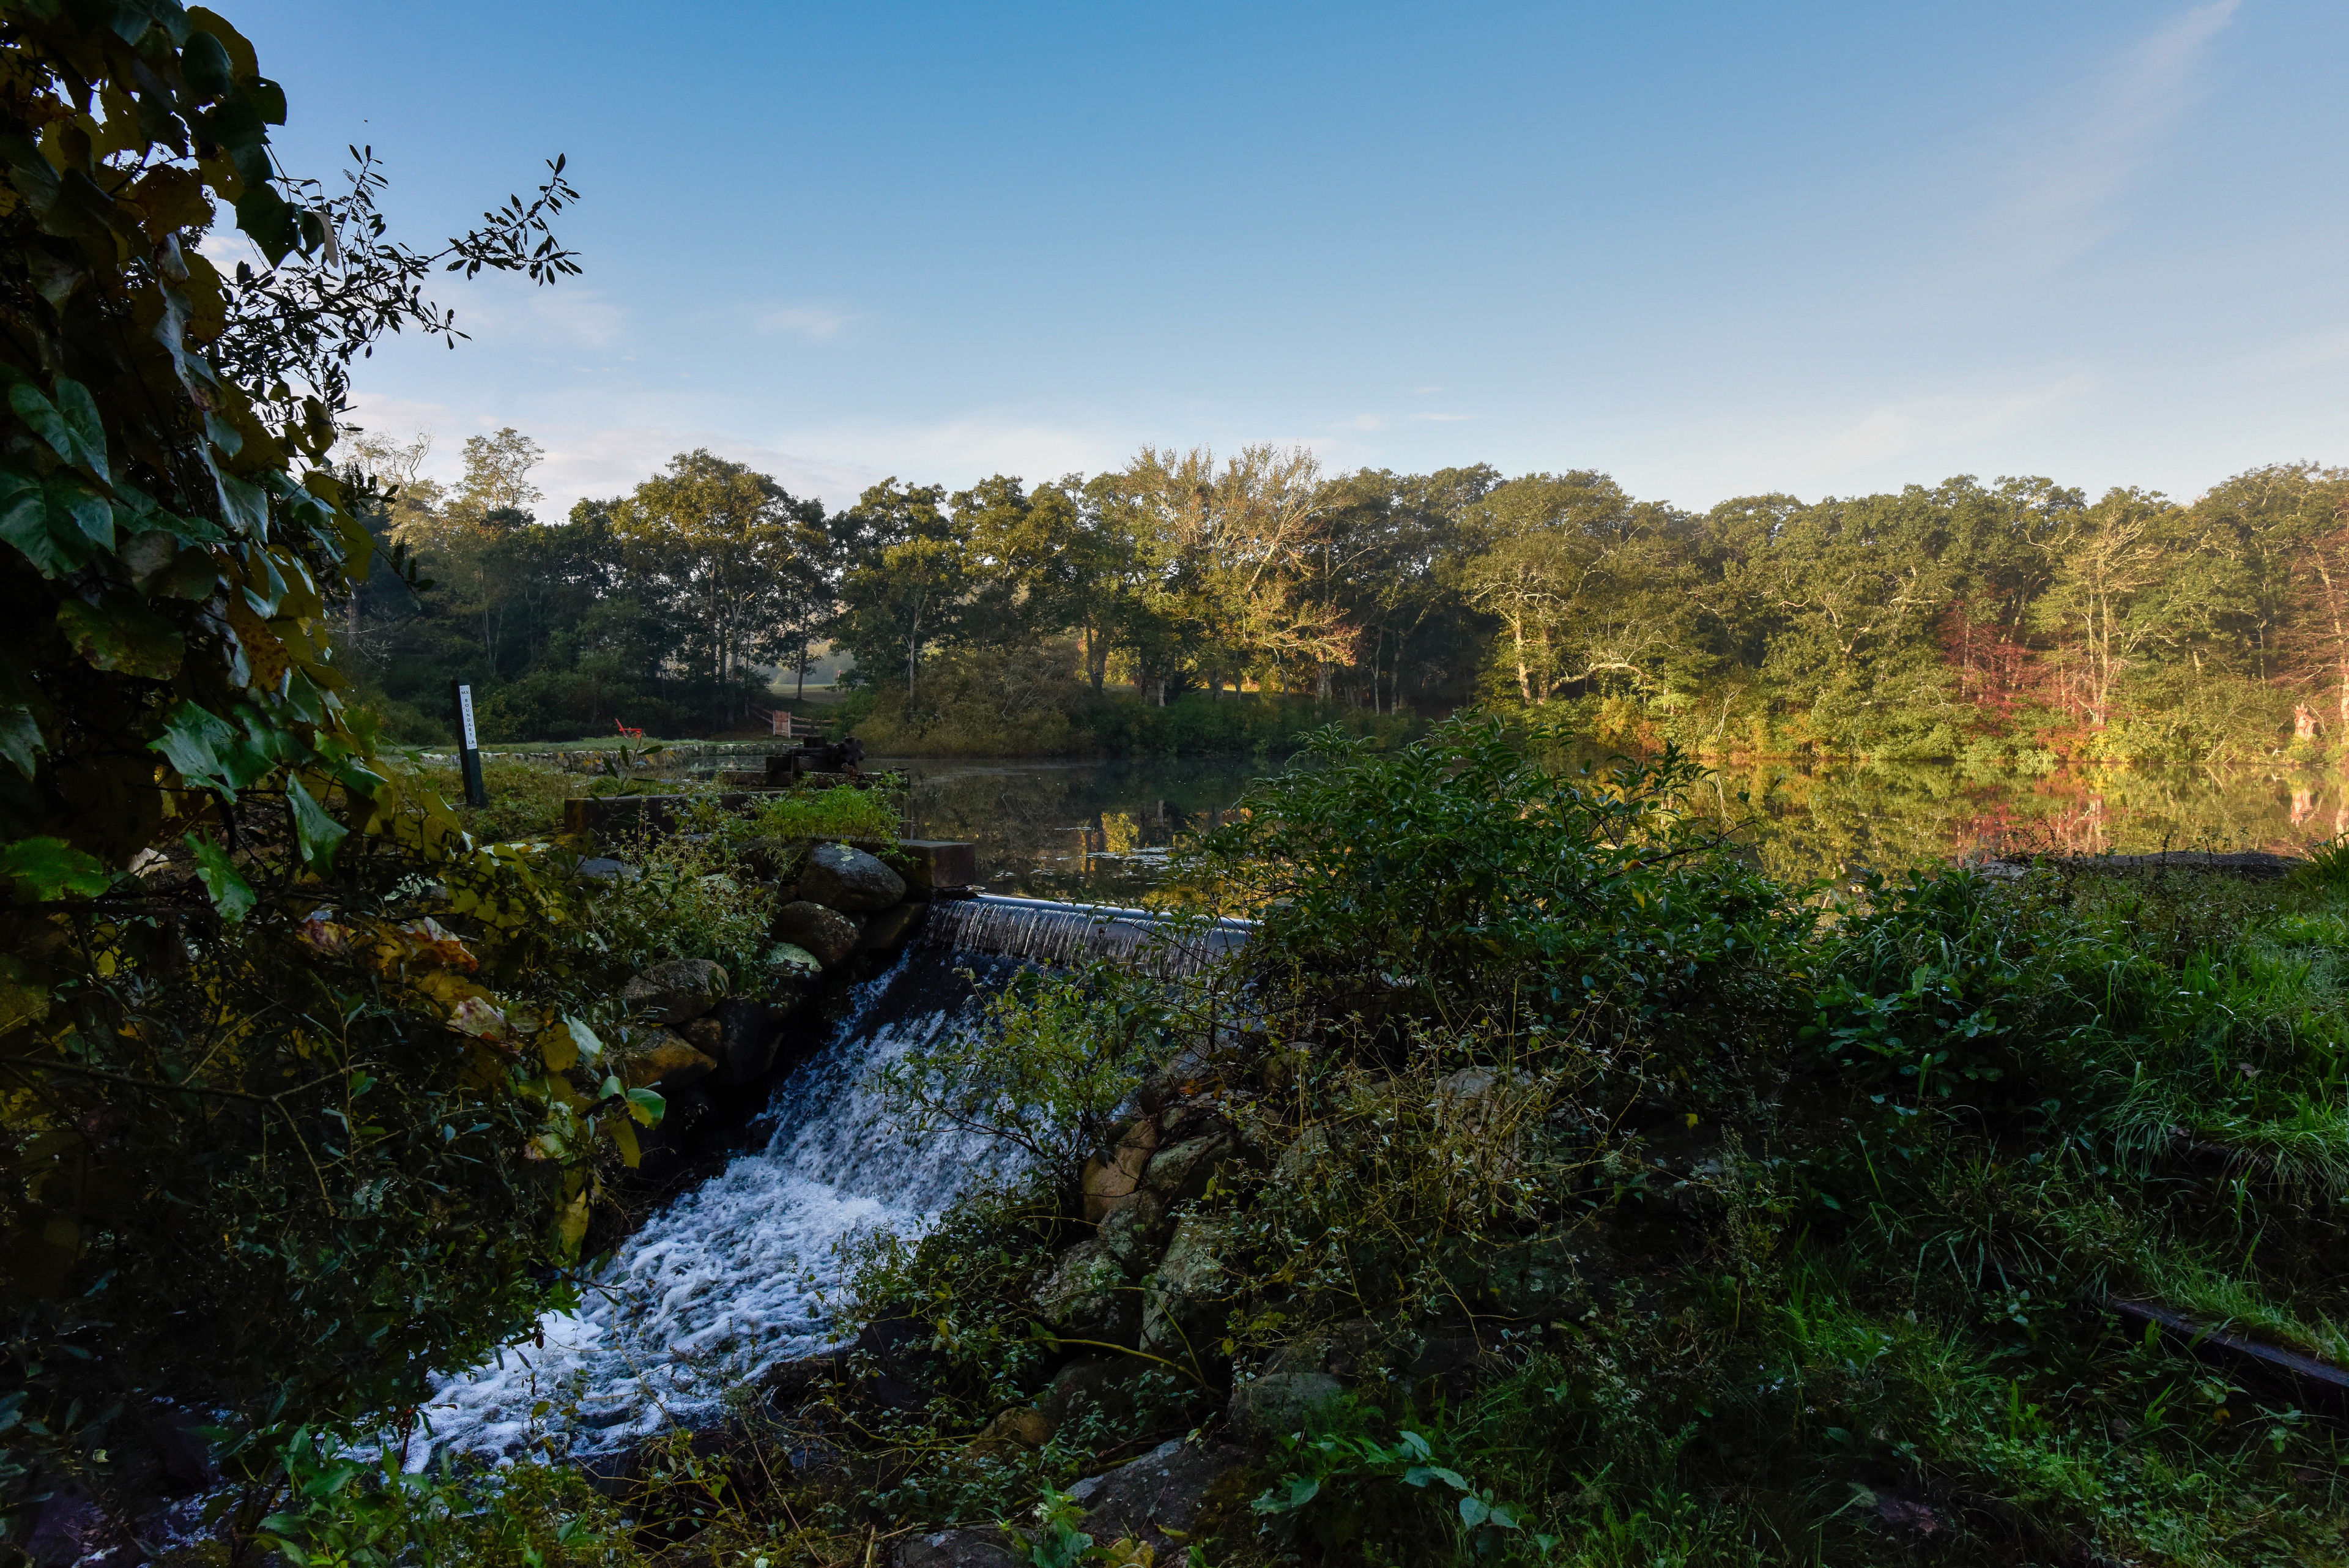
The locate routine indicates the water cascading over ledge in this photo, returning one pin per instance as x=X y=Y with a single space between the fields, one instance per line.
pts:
x=1044 y=932
x=744 y=1271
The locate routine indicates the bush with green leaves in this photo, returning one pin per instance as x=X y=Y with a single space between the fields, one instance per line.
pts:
x=293 y=1105
x=838 y=813
x=1476 y=876
x=690 y=896
x=367 y=1511
x=1053 y=1058
x=1787 y=1243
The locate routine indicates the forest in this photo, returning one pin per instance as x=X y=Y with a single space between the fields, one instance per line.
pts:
x=2015 y=623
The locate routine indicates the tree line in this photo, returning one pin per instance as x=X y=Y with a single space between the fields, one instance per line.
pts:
x=1929 y=622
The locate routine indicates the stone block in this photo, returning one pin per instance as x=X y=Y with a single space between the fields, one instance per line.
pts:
x=966 y=1548
x=888 y=929
x=850 y=880
x=1184 y=1306
x=1167 y=1496
x=597 y=816
x=667 y=1059
x=1086 y=1295
x=1283 y=1404
x=748 y=1033
x=930 y=863
x=1112 y=1178
x=1183 y=1170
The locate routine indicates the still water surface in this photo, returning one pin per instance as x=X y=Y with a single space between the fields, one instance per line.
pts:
x=1099 y=830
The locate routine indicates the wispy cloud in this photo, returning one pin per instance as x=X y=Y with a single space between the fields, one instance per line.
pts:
x=579 y=317
x=511 y=312
x=583 y=461
x=958 y=451
x=809 y=321
x=2109 y=131
x=1953 y=421
x=1850 y=447
x=1443 y=418
x=1359 y=422
x=399 y=417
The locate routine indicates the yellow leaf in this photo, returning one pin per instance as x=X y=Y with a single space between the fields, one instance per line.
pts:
x=570 y=1227
x=624 y=1138
x=557 y=1049
x=261 y=650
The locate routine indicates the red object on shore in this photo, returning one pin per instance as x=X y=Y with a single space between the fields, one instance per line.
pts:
x=626 y=732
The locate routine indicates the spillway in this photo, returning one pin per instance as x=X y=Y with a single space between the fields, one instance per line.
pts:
x=748 y=1269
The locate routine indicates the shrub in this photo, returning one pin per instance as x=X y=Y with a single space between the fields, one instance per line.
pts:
x=692 y=898
x=1477 y=876
x=836 y=813
x=1046 y=1070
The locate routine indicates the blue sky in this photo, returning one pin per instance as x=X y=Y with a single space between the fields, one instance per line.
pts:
x=1713 y=249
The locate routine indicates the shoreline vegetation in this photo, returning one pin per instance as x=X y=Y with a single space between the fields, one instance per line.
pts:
x=1186 y=603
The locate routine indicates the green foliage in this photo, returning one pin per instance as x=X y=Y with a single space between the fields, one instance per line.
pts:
x=1015 y=703
x=1475 y=875
x=860 y=813
x=379 y=1152
x=1800 y=1263
x=1046 y=1071
x=1957 y=621
x=1787 y=1249
x=1340 y=1485
x=292 y=1107
x=965 y=1285
x=693 y=899
x=340 y=1507
x=526 y=798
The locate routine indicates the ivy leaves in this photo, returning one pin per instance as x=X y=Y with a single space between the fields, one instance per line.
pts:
x=204 y=576
x=119 y=634
x=209 y=753
x=315 y=833
x=1333 y=1468
x=170 y=545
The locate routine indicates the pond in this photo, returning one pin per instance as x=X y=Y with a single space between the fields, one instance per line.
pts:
x=1100 y=831
x=1094 y=831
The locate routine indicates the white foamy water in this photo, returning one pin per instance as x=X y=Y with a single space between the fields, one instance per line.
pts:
x=742 y=1271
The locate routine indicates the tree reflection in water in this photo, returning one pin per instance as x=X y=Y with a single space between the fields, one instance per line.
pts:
x=1100 y=831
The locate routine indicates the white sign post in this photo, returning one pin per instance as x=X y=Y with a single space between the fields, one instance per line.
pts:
x=469 y=747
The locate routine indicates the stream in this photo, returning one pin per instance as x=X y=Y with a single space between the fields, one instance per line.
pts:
x=747 y=1269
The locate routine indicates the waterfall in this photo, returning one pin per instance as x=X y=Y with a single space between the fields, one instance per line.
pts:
x=1042 y=931
x=744 y=1270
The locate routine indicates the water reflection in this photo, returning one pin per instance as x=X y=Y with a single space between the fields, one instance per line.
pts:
x=1101 y=831
x=1830 y=824
x=1086 y=830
